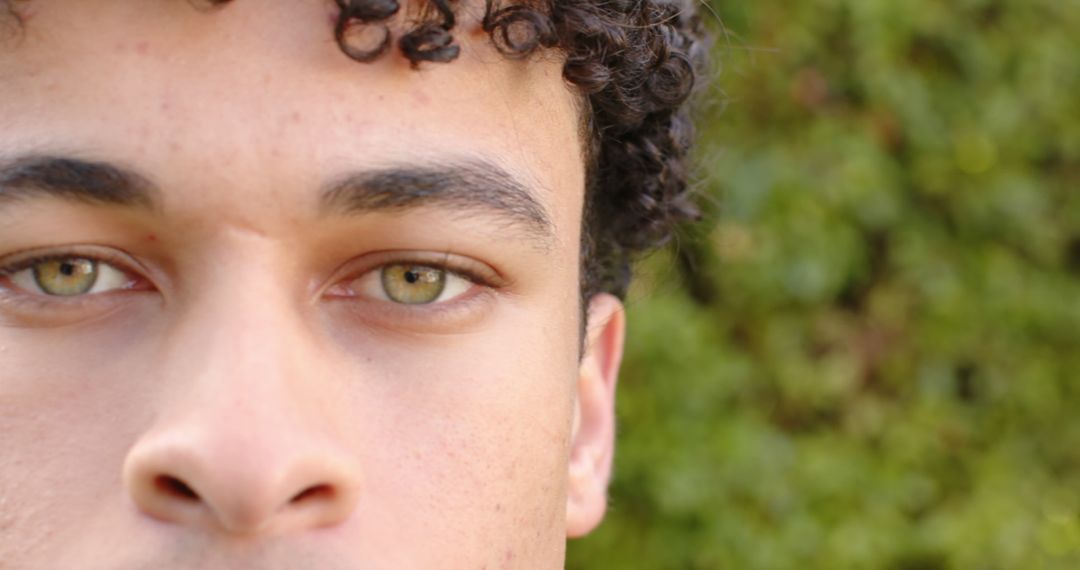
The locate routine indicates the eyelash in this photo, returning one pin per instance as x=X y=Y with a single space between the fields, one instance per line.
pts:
x=26 y=263
x=102 y=257
x=455 y=314
x=31 y=303
x=469 y=271
x=488 y=279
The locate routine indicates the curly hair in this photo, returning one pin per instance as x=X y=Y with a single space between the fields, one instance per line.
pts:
x=634 y=63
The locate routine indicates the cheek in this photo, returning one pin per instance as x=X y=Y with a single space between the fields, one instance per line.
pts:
x=470 y=437
x=463 y=439
x=70 y=406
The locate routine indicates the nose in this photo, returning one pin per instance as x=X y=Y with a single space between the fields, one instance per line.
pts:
x=248 y=439
x=240 y=478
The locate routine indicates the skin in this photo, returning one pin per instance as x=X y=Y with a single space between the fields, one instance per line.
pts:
x=246 y=356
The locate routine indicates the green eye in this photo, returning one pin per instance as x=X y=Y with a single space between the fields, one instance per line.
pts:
x=68 y=276
x=413 y=284
x=65 y=277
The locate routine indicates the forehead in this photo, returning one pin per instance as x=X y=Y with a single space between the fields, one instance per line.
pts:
x=258 y=98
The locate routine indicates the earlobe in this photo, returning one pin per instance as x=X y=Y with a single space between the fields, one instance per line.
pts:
x=593 y=443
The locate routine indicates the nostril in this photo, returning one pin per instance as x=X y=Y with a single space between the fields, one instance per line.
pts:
x=314 y=492
x=176 y=488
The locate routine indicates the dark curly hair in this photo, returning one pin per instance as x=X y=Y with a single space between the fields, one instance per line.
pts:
x=634 y=63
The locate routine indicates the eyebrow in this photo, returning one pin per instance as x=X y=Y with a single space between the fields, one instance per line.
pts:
x=75 y=179
x=471 y=187
x=474 y=187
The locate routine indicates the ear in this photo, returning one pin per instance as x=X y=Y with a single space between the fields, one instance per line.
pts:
x=593 y=436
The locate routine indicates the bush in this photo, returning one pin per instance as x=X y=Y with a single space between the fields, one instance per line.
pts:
x=870 y=358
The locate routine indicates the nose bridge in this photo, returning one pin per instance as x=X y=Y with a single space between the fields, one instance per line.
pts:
x=249 y=334
x=245 y=310
x=246 y=440
x=245 y=318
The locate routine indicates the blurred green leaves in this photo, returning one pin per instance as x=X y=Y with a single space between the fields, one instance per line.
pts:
x=875 y=360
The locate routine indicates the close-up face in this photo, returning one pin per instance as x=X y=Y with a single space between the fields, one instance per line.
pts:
x=263 y=306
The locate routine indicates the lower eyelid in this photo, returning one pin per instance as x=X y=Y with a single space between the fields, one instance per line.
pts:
x=452 y=317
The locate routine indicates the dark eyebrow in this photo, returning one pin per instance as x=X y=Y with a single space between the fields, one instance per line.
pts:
x=74 y=179
x=472 y=187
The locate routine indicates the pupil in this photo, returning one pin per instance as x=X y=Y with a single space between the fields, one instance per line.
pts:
x=411 y=276
x=68 y=269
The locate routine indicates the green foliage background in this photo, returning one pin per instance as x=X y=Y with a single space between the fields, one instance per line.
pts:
x=874 y=362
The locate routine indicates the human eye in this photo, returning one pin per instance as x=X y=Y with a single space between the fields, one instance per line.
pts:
x=418 y=291
x=70 y=275
x=411 y=284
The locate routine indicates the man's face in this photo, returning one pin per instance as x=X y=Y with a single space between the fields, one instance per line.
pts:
x=263 y=306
